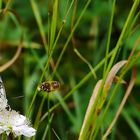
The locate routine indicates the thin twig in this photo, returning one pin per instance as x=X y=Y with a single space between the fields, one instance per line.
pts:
x=15 y=57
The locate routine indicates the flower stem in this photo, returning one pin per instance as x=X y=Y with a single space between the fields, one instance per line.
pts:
x=4 y=136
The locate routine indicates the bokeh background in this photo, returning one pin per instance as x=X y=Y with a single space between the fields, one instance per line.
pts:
x=89 y=38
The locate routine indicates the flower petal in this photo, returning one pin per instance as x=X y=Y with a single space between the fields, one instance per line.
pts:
x=24 y=130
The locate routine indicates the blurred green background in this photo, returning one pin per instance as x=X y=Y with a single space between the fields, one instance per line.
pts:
x=89 y=39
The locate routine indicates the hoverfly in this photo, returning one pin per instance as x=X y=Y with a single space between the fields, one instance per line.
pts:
x=49 y=86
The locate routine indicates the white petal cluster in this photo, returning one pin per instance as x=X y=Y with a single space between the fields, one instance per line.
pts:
x=10 y=120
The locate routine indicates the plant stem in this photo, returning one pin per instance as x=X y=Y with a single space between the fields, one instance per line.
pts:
x=109 y=36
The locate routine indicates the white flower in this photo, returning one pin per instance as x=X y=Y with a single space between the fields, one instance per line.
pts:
x=13 y=122
x=10 y=120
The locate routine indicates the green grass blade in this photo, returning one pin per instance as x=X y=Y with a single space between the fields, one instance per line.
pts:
x=0 y=4
x=56 y=135
x=54 y=23
x=70 y=36
x=39 y=22
x=126 y=26
x=47 y=128
x=71 y=117
x=76 y=98
x=134 y=59
x=109 y=35
x=131 y=123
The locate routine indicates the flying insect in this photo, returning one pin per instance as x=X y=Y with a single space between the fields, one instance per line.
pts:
x=49 y=86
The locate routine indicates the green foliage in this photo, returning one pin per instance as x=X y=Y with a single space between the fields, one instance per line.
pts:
x=76 y=43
